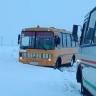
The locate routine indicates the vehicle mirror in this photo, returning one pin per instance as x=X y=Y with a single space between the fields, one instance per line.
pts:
x=58 y=40
x=75 y=30
x=74 y=33
x=75 y=39
x=18 y=38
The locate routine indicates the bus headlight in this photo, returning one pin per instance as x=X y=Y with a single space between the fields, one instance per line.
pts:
x=21 y=58
x=49 y=59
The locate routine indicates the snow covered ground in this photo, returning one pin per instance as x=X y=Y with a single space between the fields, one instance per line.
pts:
x=18 y=79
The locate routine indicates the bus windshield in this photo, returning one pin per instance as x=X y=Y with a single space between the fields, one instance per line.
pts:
x=37 y=40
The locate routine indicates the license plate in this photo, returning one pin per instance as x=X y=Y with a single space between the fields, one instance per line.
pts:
x=34 y=63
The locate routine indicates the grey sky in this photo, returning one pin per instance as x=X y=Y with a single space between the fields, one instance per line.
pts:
x=17 y=14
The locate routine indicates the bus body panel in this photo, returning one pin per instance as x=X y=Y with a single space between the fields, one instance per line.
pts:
x=87 y=57
x=88 y=62
x=88 y=82
x=66 y=54
x=42 y=61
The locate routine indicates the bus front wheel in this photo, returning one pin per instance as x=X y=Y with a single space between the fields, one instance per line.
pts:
x=58 y=63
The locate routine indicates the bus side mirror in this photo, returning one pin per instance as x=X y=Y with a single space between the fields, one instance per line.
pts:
x=74 y=33
x=57 y=39
x=18 y=38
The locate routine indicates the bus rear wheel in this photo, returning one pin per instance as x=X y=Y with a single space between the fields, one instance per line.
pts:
x=84 y=91
x=72 y=61
x=80 y=80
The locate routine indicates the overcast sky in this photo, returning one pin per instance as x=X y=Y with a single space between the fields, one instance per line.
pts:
x=18 y=14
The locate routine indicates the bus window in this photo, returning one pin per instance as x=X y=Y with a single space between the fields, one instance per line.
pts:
x=72 y=42
x=90 y=31
x=61 y=40
x=25 y=41
x=64 y=40
x=76 y=44
x=94 y=36
x=68 y=40
x=88 y=36
x=44 y=38
x=83 y=30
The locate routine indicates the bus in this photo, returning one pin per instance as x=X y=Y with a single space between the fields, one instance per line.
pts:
x=42 y=46
x=86 y=61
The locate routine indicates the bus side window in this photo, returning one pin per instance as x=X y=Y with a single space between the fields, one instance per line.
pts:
x=82 y=34
x=88 y=36
x=72 y=42
x=90 y=31
x=94 y=36
x=61 y=39
x=68 y=40
x=76 y=44
x=64 y=40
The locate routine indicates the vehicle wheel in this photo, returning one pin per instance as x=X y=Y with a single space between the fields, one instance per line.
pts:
x=79 y=74
x=84 y=91
x=58 y=63
x=72 y=61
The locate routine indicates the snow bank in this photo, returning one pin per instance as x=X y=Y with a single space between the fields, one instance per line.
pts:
x=18 y=79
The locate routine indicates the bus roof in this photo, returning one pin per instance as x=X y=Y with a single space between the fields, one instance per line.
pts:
x=88 y=14
x=55 y=30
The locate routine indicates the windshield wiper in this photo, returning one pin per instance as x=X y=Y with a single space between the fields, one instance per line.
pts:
x=25 y=47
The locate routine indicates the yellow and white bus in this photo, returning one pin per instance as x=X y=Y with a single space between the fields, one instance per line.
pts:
x=86 y=69
x=46 y=47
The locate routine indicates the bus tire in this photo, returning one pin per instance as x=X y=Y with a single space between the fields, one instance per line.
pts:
x=72 y=61
x=79 y=79
x=58 y=63
x=79 y=74
x=84 y=91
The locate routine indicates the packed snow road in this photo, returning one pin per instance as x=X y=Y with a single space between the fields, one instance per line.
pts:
x=18 y=79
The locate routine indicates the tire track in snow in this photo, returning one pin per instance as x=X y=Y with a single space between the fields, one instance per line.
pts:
x=68 y=82
x=70 y=87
